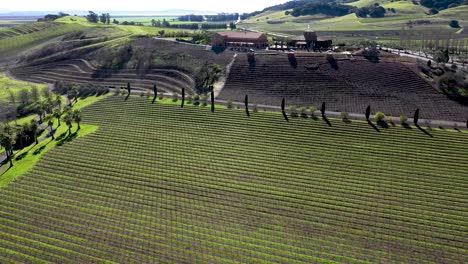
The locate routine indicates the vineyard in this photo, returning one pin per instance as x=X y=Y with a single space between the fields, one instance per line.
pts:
x=83 y=72
x=161 y=184
x=345 y=84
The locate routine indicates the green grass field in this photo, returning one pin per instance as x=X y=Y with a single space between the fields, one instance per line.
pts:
x=160 y=184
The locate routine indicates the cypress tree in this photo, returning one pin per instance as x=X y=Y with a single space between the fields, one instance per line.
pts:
x=129 y=89
x=212 y=102
x=323 y=109
x=368 y=113
x=467 y=123
x=247 y=105
x=416 y=117
x=183 y=98
x=155 y=91
x=283 y=104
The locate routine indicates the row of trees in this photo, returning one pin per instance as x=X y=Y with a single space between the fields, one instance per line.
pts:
x=20 y=136
x=374 y=11
x=104 y=18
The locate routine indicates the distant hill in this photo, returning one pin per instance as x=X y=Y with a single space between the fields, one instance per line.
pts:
x=171 y=12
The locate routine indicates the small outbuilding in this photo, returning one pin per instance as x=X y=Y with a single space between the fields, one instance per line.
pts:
x=240 y=39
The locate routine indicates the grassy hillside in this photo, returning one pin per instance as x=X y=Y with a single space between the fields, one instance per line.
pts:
x=352 y=27
x=157 y=183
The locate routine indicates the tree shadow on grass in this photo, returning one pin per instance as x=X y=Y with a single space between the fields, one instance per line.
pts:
x=22 y=156
x=373 y=126
x=68 y=138
x=424 y=131
x=285 y=116
x=5 y=171
x=326 y=120
x=39 y=150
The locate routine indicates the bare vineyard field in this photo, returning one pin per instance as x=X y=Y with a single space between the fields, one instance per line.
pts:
x=157 y=183
x=350 y=85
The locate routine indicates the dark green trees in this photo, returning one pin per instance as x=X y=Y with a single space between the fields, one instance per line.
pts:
x=34 y=127
x=7 y=141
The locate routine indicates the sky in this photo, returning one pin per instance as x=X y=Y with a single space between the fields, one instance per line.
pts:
x=155 y=5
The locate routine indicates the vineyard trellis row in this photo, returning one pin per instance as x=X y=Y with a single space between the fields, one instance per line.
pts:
x=168 y=184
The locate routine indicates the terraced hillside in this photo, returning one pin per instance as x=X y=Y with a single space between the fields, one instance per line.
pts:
x=350 y=85
x=82 y=71
x=161 y=184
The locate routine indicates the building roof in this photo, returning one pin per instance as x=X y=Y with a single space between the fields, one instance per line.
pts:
x=241 y=35
x=324 y=39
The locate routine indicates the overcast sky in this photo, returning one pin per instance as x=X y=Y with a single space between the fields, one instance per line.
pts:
x=155 y=5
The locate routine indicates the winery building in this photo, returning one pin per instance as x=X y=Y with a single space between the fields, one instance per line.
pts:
x=240 y=39
x=310 y=40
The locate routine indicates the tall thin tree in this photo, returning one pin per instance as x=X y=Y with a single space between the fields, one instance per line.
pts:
x=323 y=109
x=129 y=88
x=246 y=101
x=416 y=117
x=368 y=110
x=183 y=98
x=212 y=102
x=155 y=91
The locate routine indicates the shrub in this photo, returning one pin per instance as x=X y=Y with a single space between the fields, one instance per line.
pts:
x=255 y=109
x=196 y=99
x=313 y=109
x=345 y=116
x=175 y=98
x=454 y=24
x=403 y=119
x=293 y=111
x=161 y=95
x=303 y=111
x=379 y=117
x=229 y=104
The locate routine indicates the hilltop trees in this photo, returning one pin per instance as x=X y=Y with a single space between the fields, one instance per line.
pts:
x=92 y=17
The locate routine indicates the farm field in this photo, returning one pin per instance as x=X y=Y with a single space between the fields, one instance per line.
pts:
x=350 y=85
x=157 y=183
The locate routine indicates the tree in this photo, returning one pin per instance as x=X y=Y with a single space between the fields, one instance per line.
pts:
x=24 y=96
x=212 y=102
x=322 y=110
x=129 y=88
x=50 y=124
x=161 y=33
x=232 y=25
x=155 y=91
x=35 y=94
x=68 y=119
x=442 y=56
x=7 y=141
x=34 y=127
x=46 y=93
x=454 y=24
x=92 y=17
x=103 y=18
x=416 y=117
x=57 y=114
x=108 y=18
x=246 y=102
x=11 y=97
x=368 y=113
x=115 y=21
x=183 y=98
x=58 y=102
x=379 y=117
x=77 y=118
